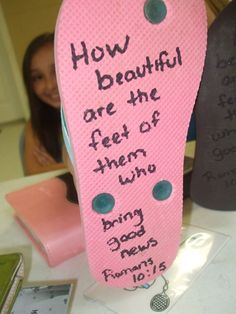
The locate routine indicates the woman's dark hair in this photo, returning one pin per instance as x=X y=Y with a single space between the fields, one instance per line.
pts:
x=45 y=119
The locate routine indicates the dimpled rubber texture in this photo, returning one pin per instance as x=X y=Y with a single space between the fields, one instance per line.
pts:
x=139 y=238
x=213 y=182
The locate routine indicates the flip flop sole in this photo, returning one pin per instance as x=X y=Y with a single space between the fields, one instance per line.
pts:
x=128 y=74
x=214 y=172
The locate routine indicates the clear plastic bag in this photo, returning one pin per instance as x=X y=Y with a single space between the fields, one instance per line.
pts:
x=197 y=249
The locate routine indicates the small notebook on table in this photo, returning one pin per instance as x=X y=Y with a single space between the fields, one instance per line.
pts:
x=11 y=278
x=49 y=214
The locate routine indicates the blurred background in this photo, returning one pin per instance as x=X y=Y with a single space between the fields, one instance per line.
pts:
x=20 y=22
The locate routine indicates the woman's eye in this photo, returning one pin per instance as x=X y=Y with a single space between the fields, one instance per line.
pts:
x=36 y=78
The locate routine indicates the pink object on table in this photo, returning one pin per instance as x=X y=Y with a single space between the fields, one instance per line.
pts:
x=49 y=219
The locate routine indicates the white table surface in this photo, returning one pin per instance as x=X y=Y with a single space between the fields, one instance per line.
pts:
x=213 y=292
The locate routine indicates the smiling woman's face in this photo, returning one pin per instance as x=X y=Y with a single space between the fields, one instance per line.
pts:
x=43 y=76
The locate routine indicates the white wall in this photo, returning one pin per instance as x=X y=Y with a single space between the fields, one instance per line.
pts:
x=12 y=97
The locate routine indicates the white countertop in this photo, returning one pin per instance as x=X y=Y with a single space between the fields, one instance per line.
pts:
x=213 y=292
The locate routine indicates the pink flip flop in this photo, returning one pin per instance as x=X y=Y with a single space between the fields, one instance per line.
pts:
x=128 y=74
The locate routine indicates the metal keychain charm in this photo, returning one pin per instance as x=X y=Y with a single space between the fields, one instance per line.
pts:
x=160 y=302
